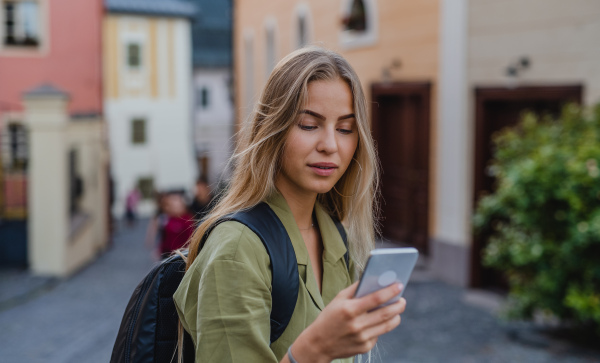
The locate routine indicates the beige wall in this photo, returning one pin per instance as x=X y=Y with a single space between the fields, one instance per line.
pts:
x=561 y=38
x=479 y=40
x=407 y=30
x=60 y=243
x=156 y=76
x=158 y=91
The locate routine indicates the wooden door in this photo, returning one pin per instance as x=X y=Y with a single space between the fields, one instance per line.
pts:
x=401 y=130
x=495 y=109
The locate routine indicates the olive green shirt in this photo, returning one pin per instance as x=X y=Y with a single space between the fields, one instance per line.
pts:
x=224 y=299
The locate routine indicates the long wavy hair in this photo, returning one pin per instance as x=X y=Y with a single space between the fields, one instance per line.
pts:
x=262 y=138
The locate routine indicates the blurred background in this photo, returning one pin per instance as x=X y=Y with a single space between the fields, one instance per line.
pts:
x=117 y=118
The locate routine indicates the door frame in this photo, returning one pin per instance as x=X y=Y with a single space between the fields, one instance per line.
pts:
x=483 y=94
x=423 y=89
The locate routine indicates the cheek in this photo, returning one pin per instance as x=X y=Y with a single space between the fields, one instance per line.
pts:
x=289 y=154
x=349 y=148
x=296 y=146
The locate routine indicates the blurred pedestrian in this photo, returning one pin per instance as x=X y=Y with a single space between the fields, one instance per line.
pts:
x=201 y=203
x=308 y=153
x=131 y=204
x=156 y=225
x=178 y=224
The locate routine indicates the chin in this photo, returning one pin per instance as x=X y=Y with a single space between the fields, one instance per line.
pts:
x=322 y=189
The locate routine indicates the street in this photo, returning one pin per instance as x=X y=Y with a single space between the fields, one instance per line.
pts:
x=76 y=320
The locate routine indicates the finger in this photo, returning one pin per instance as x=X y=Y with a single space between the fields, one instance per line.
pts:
x=383 y=327
x=373 y=300
x=378 y=316
x=348 y=292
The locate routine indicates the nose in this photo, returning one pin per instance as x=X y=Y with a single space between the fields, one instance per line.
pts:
x=327 y=141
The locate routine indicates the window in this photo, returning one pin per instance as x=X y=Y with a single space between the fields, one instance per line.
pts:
x=75 y=183
x=357 y=19
x=21 y=23
x=15 y=141
x=302 y=36
x=270 y=56
x=248 y=71
x=146 y=187
x=204 y=97
x=138 y=131
x=359 y=24
x=13 y=170
x=134 y=55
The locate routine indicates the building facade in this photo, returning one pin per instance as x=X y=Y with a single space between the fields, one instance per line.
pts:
x=53 y=160
x=213 y=98
x=441 y=77
x=147 y=98
x=393 y=46
x=498 y=59
x=45 y=41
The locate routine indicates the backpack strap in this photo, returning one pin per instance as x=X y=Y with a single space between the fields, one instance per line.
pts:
x=261 y=220
x=284 y=267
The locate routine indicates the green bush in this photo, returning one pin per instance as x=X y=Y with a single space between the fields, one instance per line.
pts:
x=543 y=220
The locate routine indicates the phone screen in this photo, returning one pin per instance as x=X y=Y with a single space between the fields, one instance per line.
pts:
x=387 y=266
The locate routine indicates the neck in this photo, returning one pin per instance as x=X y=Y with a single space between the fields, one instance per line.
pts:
x=300 y=204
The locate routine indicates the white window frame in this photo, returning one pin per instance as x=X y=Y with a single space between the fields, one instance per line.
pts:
x=134 y=31
x=140 y=55
x=249 y=72
x=43 y=47
x=302 y=10
x=351 y=39
x=270 y=26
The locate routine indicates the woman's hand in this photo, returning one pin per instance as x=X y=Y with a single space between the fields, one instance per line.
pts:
x=349 y=326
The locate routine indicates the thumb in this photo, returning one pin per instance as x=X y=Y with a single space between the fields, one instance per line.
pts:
x=348 y=292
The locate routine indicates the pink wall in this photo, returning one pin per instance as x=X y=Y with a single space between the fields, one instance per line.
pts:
x=73 y=63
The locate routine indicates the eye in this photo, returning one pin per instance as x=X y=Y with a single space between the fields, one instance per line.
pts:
x=306 y=127
x=346 y=130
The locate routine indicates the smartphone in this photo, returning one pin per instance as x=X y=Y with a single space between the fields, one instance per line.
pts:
x=387 y=266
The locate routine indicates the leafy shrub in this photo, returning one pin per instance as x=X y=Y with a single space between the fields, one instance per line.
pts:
x=543 y=220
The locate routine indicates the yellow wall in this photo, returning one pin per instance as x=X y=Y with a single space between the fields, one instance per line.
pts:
x=111 y=57
x=408 y=31
x=156 y=36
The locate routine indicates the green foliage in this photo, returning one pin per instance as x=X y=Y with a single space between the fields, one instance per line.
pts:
x=543 y=220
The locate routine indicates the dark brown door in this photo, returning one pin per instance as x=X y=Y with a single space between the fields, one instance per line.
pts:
x=495 y=109
x=401 y=131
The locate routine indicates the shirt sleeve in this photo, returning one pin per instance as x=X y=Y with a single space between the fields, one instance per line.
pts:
x=224 y=300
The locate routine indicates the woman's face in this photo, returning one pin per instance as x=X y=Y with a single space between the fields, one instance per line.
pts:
x=321 y=144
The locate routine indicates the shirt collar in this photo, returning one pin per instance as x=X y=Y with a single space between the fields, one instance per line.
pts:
x=333 y=245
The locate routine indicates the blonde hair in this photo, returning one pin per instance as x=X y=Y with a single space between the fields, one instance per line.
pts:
x=261 y=142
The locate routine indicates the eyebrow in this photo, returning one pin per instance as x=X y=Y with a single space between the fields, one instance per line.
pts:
x=321 y=117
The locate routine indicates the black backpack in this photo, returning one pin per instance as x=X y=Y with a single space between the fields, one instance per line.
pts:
x=148 y=331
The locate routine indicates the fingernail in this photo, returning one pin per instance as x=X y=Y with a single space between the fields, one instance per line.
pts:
x=400 y=286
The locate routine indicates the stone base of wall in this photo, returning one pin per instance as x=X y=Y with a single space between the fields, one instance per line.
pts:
x=450 y=262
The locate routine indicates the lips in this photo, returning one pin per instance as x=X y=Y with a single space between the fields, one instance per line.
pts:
x=323 y=169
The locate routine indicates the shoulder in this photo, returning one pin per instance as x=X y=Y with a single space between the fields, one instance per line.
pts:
x=233 y=241
x=230 y=250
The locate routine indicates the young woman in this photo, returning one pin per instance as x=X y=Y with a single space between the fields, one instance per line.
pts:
x=309 y=154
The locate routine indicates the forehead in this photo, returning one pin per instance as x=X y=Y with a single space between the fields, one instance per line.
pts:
x=334 y=94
